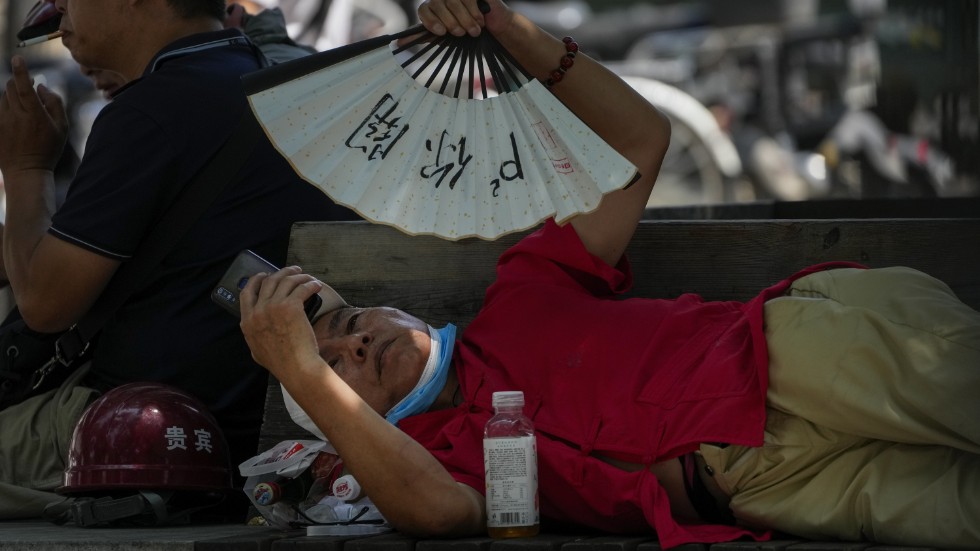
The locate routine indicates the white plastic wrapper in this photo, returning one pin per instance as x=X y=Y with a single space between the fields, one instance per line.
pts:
x=286 y=458
x=321 y=512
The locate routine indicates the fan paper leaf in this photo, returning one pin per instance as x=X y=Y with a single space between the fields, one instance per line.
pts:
x=376 y=139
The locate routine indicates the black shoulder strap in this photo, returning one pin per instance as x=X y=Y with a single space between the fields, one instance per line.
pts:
x=188 y=207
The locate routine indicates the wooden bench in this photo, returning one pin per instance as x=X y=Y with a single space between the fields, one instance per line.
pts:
x=441 y=281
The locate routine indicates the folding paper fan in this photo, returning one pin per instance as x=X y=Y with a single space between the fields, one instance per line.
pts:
x=396 y=134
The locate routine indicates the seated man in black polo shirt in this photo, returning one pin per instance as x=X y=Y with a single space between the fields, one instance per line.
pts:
x=182 y=101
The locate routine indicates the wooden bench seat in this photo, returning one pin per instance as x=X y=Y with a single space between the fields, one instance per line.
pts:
x=442 y=281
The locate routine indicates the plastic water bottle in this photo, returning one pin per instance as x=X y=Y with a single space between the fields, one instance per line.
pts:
x=510 y=460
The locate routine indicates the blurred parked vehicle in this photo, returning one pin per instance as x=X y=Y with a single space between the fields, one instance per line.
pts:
x=788 y=83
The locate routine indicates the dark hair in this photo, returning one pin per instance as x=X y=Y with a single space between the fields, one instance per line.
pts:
x=190 y=9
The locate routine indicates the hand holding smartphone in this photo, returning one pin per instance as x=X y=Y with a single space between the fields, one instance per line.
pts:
x=247 y=264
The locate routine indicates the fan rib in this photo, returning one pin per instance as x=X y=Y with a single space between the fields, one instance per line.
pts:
x=425 y=50
x=507 y=64
x=472 y=60
x=483 y=78
x=424 y=37
x=459 y=75
x=443 y=53
x=501 y=81
x=512 y=62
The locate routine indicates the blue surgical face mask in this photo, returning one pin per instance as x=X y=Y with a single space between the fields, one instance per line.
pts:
x=433 y=377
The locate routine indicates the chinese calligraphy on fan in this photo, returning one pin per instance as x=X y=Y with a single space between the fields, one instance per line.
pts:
x=449 y=157
x=381 y=130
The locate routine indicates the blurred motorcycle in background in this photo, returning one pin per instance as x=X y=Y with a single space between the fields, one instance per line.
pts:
x=792 y=90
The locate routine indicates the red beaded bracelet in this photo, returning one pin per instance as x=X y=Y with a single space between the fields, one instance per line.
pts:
x=567 y=60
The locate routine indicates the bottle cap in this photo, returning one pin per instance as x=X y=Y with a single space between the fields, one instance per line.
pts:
x=508 y=398
x=346 y=488
x=266 y=493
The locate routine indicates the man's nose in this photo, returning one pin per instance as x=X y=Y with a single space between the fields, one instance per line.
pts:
x=357 y=344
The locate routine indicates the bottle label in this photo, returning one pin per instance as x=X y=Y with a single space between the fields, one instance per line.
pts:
x=511 y=466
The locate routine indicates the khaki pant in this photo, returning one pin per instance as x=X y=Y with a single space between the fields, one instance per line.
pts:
x=873 y=429
x=34 y=439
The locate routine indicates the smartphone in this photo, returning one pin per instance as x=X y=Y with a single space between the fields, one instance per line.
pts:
x=247 y=264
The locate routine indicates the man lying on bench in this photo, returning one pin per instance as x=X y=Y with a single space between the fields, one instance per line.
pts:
x=839 y=403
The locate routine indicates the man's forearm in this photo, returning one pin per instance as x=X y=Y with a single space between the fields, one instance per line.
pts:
x=30 y=205
x=54 y=282
x=410 y=487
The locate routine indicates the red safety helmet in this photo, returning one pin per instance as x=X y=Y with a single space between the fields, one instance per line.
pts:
x=44 y=18
x=147 y=436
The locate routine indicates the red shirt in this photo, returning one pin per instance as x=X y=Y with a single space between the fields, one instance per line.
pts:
x=641 y=380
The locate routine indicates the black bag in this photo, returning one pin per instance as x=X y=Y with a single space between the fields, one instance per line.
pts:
x=29 y=362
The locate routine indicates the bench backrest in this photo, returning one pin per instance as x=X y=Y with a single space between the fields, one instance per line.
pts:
x=442 y=281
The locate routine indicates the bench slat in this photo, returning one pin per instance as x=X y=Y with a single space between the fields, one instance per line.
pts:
x=441 y=281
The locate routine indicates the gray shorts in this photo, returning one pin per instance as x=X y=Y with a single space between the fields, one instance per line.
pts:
x=34 y=439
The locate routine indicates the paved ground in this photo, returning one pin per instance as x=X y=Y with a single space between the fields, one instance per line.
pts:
x=44 y=536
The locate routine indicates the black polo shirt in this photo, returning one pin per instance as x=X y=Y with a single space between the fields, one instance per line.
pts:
x=155 y=135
